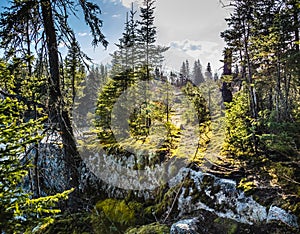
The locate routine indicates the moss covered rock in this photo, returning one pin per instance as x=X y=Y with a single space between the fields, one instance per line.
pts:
x=115 y=216
x=154 y=228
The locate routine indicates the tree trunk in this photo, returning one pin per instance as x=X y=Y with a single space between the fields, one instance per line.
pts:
x=253 y=98
x=296 y=24
x=57 y=114
x=279 y=98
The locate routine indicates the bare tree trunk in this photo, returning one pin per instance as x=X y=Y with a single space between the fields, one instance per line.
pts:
x=270 y=99
x=296 y=24
x=253 y=98
x=287 y=88
x=279 y=98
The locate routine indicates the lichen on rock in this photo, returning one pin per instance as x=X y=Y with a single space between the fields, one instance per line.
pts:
x=222 y=197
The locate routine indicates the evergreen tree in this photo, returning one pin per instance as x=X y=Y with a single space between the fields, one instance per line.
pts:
x=198 y=77
x=87 y=100
x=257 y=30
x=132 y=39
x=48 y=23
x=187 y=67
x=146 y=34
x=263 y=37
x=126 y=57
x=150 y=55
x=105 y=103
x=208 y=72
x=73 y=74
x=19 y=211
x=183 y=73
x=136 y=48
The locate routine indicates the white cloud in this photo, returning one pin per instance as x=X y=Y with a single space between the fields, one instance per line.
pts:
x=61 y=44
x=113 y=1
x=189 y=19
x=116 y=16
x=82 y=34
x=127 y=3
x=186 y=45
x=190 y=26
x=206 y=51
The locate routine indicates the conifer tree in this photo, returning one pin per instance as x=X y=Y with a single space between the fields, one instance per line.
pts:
x=263 y=37
x=208 y=72
x=48 y=20
x=150 y=55
x=146 y=34
x=183 y=73
x=72 y=75
x=187 y=67
x=126 y=56
x=19 y=211
x=197 y=73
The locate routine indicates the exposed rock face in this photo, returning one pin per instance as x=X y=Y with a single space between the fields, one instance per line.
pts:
x=209 y=223
x=276 y=213
x=199 y=192
x=220 y=196
x=50 y=175
x=187 y=226
x=53 y=176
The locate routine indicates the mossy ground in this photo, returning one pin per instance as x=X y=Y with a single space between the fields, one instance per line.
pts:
x=154 y=228
x=79 y=223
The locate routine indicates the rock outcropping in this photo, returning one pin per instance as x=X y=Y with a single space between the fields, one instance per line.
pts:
x=204 y=191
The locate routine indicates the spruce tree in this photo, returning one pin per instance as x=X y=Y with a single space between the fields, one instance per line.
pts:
x=73 y=73
x=263 y=37
x=20 y=212
x=187 y=67
x=183 y=73
x=198 y=77
x=146 y=35
x=208 y=72
x=48 y=22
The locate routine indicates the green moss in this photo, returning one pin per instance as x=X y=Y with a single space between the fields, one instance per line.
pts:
x=70 y=223
x=115 y=216
x=154 y=228
x=163 y=202
x=232 y=228
x=228 y=226
x=119 y=211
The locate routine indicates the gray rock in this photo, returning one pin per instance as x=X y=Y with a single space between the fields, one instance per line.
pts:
x=276 y=213
x=186 y=226
x=221 y=197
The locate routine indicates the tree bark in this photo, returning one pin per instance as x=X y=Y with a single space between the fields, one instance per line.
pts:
x=296 y=25
x=253 y=98
x=57 y=113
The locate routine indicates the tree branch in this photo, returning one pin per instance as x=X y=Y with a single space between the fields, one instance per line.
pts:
x=22 y=99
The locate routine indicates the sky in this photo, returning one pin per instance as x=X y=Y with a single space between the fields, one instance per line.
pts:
x=190 y=27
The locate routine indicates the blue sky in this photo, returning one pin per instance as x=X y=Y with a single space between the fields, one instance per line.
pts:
x=190 y=27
